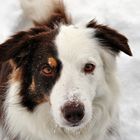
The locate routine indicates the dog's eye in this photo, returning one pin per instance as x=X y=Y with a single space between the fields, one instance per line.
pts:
x=89 y=68
x=47 y=71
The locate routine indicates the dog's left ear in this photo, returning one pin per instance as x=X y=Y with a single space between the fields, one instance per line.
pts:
x=110 y=38
x=18 y=47
x=15 y=48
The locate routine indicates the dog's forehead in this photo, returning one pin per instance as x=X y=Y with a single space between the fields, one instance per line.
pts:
x=73 y=42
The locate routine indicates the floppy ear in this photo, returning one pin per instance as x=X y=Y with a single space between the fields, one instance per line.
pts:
x=14 y=48
x=18 y=46
x=110 y=38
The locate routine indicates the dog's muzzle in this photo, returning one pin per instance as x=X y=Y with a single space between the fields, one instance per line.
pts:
x=73 y=113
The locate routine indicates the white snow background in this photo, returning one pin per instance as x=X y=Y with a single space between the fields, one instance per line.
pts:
x=123 y=15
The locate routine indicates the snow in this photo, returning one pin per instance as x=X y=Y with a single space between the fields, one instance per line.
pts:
x=124 y=15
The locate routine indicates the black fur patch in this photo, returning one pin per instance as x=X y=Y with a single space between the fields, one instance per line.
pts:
x=30 y=52
x=43 y=84
x=110 y=38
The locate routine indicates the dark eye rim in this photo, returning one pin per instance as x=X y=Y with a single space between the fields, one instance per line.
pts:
x=45 y=73
x=89 y=68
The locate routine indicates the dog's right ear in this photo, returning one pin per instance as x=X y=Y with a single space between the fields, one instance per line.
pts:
x=18 y=47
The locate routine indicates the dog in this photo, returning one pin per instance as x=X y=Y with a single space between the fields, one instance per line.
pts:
x=58 y=79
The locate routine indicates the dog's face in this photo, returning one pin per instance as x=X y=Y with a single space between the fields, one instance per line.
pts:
x=66 y=68
x=73 y=94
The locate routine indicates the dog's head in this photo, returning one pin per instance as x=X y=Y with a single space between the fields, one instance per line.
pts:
x=71 y=68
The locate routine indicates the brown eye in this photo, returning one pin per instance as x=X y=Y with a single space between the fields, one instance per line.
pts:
x=47 y=71
x=89 y=68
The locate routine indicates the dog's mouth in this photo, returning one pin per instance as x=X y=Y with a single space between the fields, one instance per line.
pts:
x=76 y=124
x=73 y=124
x=74 y=127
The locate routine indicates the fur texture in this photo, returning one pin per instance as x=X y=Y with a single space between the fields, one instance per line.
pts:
x=54 y=64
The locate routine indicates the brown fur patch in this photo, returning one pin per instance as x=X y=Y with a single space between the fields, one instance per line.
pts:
x=110 y=38
x=52 y=62
x=32 y=87
x=16 y=75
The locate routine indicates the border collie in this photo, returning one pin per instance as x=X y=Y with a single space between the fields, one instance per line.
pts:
x=58 y=79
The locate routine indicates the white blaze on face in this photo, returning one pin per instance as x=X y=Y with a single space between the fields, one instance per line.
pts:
x=76 y=48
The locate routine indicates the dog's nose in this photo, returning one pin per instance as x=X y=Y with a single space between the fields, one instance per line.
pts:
x=73 y=112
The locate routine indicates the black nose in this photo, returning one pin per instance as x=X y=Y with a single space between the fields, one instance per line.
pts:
x=73 y=112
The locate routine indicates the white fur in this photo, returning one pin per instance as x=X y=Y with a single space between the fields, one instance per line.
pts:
x=98 y=93
x=38 y=10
